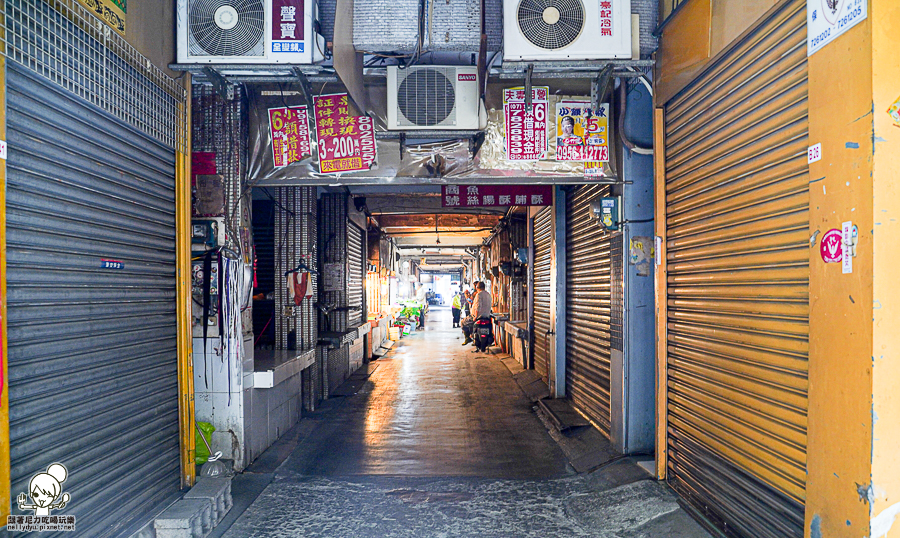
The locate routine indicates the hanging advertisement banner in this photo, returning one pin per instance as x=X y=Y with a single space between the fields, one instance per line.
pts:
x=496 y=195
x=827 y=19
x=290 y=134
x=582 y=134
x=346 y=143
x=526 y=130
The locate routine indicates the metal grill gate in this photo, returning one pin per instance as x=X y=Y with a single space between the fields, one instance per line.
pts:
x=92 y=350
x=589 y=309
x=543 y=256
x=295 y=232
x=355 y=281
x=737 y=242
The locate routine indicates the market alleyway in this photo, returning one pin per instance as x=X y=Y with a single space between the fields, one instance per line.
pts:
x=440 y=441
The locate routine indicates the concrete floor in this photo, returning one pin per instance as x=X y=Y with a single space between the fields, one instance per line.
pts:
x=440 y=441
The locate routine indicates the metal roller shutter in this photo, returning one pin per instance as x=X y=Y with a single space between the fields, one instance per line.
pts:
x=588 y=307
x=355 y=280
x=737 y=291
x=92 y=351
x=543 y=245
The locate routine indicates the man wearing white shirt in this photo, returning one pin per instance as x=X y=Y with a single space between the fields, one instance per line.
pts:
x=481 y=307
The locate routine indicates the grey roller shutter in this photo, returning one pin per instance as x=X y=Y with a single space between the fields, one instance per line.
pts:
x=543 y=247
x=355 y=279
x=589 y=312
x=737 y=221
x=92 y=351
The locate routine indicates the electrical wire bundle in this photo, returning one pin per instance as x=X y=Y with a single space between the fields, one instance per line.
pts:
x=233 y=282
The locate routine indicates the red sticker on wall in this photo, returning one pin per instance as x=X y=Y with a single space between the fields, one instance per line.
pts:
x=832 y=246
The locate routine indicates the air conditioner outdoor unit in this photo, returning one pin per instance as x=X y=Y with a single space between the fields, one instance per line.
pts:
x=547 y=30
x=246 y=31
x=433 y=97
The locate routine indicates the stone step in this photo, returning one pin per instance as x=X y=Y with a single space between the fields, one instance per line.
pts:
x=187 y=518
x=217 y=491
x=562 y=414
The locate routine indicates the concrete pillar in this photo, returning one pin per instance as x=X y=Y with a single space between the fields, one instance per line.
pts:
x=853 y=468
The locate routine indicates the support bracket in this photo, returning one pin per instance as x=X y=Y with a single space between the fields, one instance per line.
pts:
x=528 y=72
x=600 y=85
x=223 y=88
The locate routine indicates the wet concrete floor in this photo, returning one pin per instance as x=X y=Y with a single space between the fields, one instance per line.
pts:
x=441 y=441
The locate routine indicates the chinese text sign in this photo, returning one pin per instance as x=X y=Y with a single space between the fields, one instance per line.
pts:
x=496 y=195
x=526 y=130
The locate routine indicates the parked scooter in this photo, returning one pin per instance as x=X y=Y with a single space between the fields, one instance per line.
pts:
x=484 y=333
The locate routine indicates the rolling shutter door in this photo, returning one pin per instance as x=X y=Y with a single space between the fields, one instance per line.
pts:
x=92 y=351
x=355 y=289
x=588 y=307
x=543 y=245
x=737 y=293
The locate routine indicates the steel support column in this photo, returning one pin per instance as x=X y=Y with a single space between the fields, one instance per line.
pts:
x=558 y=296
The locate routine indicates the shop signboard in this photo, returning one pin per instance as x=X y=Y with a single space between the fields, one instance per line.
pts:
x=287 y=26
x=496 y=195
x=526 y=130
x=827 y=19
x=346 y=143
x=290 y=134
x=112 y=12
x=582 y=134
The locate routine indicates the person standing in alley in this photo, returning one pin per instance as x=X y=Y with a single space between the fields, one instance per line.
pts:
x=456 y=306
x=481 y=308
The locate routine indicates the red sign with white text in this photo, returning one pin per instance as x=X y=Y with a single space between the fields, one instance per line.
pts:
x=290 y=134
x=346 y=143
x=526 y=130
x=496 y=195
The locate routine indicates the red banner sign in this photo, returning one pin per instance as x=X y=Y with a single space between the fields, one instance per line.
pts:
x=290 y=134
x=526 y=130
x=346 y=143
x=496 y=195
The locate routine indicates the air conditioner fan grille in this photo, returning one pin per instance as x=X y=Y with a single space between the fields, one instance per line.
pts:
x=237 y=31
x=426 y=97
x=551 y=24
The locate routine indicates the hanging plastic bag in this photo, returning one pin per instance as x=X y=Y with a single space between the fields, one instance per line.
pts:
x=201 y=453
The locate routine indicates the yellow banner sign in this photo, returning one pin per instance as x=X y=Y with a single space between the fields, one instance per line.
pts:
x=112 y=12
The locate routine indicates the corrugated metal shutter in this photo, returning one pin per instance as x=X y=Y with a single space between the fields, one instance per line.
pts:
x=355 y=280
x=738 y=248
x=543 y=245
x=588 y=306
x=92 y=351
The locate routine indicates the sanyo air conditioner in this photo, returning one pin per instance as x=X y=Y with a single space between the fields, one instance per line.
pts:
x=433 y=97
x=247 y=32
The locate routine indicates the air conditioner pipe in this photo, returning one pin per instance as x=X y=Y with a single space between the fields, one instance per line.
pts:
x=623 y=97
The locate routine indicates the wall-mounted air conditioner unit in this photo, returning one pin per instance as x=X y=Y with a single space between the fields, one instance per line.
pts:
x=547 y=30
x=246 y=31
x=433 y=97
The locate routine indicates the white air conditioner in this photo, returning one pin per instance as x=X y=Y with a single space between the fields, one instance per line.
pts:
x=433 y=97
x=547 y=30
x=246 y=31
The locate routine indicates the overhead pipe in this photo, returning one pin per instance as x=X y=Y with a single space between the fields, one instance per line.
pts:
x=623 y=97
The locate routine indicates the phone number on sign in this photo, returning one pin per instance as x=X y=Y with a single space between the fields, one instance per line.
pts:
x=582 y=153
